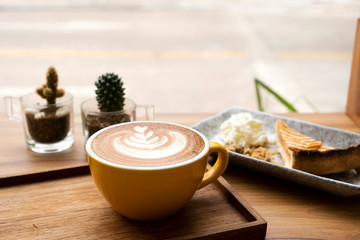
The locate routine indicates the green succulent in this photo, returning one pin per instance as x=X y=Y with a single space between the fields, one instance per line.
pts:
x=50 y=90
x=110 y=93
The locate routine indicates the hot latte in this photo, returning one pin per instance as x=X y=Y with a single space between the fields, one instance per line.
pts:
x=147 y=144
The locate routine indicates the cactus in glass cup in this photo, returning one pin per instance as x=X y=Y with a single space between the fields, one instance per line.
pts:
x=110 y=102
x=50 y=90
x=110 y=93
x=49 y=123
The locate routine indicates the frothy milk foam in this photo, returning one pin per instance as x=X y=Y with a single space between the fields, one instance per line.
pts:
x=145 y=144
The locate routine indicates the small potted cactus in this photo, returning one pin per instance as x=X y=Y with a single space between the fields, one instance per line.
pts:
x=109 y=107
x=50 y=90
x=50 y=122
x=110 y=93
x=46 y=115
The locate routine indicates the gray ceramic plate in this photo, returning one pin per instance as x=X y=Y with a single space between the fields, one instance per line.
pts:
x=340 y=184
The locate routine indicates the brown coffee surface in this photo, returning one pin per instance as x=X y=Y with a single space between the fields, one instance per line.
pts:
x=147 y=144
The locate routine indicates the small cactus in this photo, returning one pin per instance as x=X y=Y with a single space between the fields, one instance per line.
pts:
x=50 y=90
x=110 y=93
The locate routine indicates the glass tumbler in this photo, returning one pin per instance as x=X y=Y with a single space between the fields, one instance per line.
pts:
x=48 y=127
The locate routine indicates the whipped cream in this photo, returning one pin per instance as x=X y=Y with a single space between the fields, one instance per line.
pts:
x=244 y=130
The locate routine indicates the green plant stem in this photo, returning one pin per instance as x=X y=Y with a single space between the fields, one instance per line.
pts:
x=258 y=96
x=259 y=84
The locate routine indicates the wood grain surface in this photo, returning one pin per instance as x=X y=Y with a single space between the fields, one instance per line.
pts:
x=73 y=208
x=58 y=208
x=353 y=99
x=19 y=164
x=296 y=212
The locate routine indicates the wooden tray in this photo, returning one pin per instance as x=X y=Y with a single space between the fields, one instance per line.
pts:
x=20 y=165
x=73 y=208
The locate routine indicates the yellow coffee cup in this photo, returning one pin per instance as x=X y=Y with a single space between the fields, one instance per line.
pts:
x=151 y=192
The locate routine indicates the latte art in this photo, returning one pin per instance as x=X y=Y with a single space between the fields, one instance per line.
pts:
x=147 y=144
x=143 y=144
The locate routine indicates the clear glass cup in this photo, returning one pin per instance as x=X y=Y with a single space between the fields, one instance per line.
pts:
x=48 y=128
x=93 y=120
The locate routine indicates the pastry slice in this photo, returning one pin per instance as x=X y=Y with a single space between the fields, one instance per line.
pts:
x=307 y=154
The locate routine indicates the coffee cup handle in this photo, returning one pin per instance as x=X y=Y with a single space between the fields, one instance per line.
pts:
x=219 y=167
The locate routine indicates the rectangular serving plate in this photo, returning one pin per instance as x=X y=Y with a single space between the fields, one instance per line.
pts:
x=339 y=184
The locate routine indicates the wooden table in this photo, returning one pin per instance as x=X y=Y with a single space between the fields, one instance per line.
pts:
x=61 y=184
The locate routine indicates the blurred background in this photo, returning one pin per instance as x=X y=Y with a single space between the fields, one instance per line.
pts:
x=184 y=55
